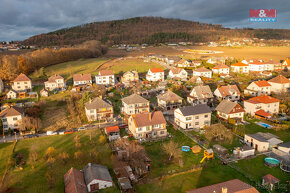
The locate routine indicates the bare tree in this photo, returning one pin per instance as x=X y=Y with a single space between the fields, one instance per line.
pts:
x=172 y=149
x=218 y=132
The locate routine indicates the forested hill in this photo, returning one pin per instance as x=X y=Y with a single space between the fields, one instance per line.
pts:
x=149 y=30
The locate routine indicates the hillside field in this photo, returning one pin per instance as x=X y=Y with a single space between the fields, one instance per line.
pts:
x=33 y=176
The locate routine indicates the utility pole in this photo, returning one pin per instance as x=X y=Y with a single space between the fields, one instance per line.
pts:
x=15 y=136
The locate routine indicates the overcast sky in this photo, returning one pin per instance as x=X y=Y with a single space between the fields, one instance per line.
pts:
x=20 y=19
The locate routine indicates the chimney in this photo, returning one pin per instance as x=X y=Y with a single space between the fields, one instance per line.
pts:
x=224 y=190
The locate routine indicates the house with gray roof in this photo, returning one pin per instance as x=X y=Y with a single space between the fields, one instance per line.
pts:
x=230 y=110
x=200 y=95
x=285 y=147
x=97 y=177
x=99 y=110
x=169 y=100
x=193 y=117
x=262 y=141
x=134 y=104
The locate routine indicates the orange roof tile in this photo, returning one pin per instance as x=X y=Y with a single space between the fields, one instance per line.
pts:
x=262 y=113
x=112 y=129
x=202 y=69
x=156 y=70
x=287 y=61
x=240 y=64
x=263 y=99
x=220 y=66
x=280 y=80
x=22 y=77
x=262 y=83
x=82 y=77
x=106 y=72
x=257 y=63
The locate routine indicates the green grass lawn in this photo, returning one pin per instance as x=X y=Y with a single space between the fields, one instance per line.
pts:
x=256 y=168
x=67 y=69
x=5 y=151
x=33 y=176
x=251 y=128
x=133 y=64
x=212 y=173
x=161 y=165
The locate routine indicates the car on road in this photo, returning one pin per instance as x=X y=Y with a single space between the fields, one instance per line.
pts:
x=68 y=131
x=81 y=129
x=30 y=136
x=51 y=133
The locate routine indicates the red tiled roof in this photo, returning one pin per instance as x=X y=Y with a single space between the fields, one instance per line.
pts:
x=220 y=66
x=226 y=90
x=262 y=113
x=54 y=78
x=240 y=64
x=21 y=77
x=112 y=129
x=233 y=186
x=176 y=70
x=156 y=70
x=106 y=72
x=262 y=83
x=257 y=63
x=287 y=61
x=270 y=179
x=146 y=119
x=74 y=181
x=202 y=69
x=263 y=99
x=11 y=111
x=82 y=77
x=280 y=79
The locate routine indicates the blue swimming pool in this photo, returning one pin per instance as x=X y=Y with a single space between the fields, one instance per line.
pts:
x=264 y=125
x=272 y=162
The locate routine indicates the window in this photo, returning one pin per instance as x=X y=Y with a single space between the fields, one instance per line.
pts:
x=196 y=123
x=205 y=116
x=25 y=82
x=5 y=126
x=196 y=117
x=188 y=118
x=91 y=111
x=14 y=118
x=4 y=119
x=161 y=132
x=139 y=129
x=206 y=123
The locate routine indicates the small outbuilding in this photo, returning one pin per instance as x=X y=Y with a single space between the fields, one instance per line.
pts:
x=245 y=151
x=220 y=149
x=44 y=93
x=270 y=181
x=113 y=132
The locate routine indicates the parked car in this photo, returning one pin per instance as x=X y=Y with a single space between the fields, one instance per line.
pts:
x=61 y=132
x=51 y=133
x=68 y=131
x=30 y=136
x=81 y=129
x=123 y=126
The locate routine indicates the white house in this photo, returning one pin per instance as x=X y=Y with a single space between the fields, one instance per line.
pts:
x=221 y=69
x=22 y=83
x=258 y=88
x=55 y=82
x=228 y=92
x=189 y=117
x=10 y=117
x=97 y=177
x=155 y=74
x=11 y=94
x=178 y=73
x=285 y=147
x=257 y=66
x=263 y=102
x=240 y=68
x=230 y=110
x=202 y=72
x=279 y=84
x=200 y=95
x=286 y=63
x=105 y=77
x=82 y=79
x=184 y=63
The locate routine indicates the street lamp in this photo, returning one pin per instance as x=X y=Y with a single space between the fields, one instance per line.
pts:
x=15 y=136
